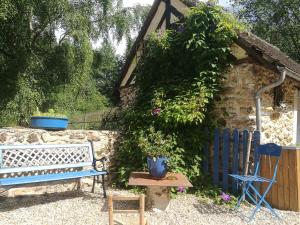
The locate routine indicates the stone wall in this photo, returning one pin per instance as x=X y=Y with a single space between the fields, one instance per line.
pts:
x=235 y=107
x=127 y=96
x=103 y=141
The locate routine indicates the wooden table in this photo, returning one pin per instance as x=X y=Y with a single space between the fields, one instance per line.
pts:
x=158 y=191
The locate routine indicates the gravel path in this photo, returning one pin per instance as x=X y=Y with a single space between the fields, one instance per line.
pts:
x=84 y=208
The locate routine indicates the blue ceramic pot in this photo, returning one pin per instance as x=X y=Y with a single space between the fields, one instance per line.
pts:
x=49 y=123
x=158 y=167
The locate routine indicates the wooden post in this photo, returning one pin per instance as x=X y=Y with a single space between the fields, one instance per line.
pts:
x=247 y=156
x=245 y=146
x=142 y=209
x=110 y=209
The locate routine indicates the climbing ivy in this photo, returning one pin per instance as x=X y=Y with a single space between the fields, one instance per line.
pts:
x=177 y=79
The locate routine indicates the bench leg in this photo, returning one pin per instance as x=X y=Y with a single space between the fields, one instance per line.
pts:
x=78 y=184
x=94 y=182
x=103 y=186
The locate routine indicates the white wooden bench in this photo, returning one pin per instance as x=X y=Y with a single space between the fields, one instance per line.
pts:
x=73 y=161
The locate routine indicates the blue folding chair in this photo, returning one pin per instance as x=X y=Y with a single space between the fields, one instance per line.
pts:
x=248 y=181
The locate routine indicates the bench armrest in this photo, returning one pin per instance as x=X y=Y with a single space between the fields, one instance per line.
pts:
x=103 y=159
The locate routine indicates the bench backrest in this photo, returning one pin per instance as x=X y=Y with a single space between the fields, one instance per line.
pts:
x=22 y=158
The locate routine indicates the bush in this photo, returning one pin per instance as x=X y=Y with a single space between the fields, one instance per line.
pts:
x=154 y=143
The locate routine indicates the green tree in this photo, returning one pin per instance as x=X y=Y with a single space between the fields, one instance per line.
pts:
x=135 y=20
x=276 y=21
x=106 y=69
x=107 y=64
x=46 y=58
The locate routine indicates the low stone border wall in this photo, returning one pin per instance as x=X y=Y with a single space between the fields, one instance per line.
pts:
x=104 y=143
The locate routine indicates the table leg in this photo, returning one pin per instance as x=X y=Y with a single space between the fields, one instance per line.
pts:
x=158 y=197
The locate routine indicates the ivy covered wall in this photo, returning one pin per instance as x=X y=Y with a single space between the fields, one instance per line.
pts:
x=178 y=76
x=235 y=107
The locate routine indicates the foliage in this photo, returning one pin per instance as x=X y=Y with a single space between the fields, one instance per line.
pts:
x=135 y=17
x=20 y=108
x=104 y=119
x=138 y=190
x=50 y=113
x=211 y=194
x=179 y=74
x=277 y=22
x=154 y=143
x=106 y=69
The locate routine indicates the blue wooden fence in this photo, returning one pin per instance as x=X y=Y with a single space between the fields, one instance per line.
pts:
x=227 y=154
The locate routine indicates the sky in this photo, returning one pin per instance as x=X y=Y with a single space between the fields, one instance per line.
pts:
x=128 y=3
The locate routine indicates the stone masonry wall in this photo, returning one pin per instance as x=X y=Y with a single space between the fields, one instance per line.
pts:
x=103 y=141
x=127 y=96
x=235 y=107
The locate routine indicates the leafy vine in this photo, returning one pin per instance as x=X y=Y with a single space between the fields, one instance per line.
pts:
x=177 y=79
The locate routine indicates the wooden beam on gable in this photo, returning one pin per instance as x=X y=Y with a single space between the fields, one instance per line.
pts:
x=160 y=17
x=161 y=22
x=243 y=60
x=168 y=13
x=176 y=13
x=256 y=55
x=147 y=26
x=170 y=10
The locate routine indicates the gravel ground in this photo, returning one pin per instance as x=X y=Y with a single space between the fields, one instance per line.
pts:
x=84 y=208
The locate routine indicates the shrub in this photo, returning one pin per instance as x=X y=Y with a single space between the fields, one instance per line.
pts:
x=154 y=143
x=50 y=113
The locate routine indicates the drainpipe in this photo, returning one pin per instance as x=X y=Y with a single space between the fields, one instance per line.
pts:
x=258 y=94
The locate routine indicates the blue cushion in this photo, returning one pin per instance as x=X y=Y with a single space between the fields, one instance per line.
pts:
x=49 y=177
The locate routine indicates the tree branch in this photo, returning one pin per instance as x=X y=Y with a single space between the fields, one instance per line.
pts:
x=63 y=37
x=42 y=29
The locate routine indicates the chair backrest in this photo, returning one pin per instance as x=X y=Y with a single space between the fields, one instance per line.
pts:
x=24 y=158
x=141 y=210
x=270 y=150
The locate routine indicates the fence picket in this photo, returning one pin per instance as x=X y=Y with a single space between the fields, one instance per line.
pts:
x=225 y=157
x=235 y=161
x=282 y=194
x=256 y=142
x=216 y=157
x=206 y=151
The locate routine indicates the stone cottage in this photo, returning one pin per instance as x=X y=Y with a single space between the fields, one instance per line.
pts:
x=260 y=92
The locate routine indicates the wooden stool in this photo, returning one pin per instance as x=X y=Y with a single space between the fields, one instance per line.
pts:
x=141 y=210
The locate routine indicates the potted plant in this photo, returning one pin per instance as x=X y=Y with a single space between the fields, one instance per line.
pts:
x=49 y=120
x=157 y=148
